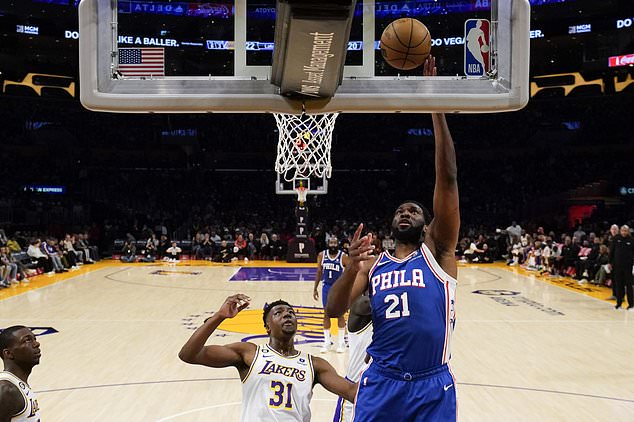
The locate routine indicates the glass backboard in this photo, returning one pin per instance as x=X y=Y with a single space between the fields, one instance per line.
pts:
x=168 y=56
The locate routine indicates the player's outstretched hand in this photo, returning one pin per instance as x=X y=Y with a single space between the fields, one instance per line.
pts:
x=429 y=67
x=315 y=294
x=233 y=305
x=360 y=249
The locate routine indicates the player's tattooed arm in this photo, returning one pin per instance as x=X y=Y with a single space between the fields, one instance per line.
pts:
x=239 y=354
x=11 y=401
x=326 y=375
x=354 y=279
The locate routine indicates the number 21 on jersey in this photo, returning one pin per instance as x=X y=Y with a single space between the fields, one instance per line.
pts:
x=394 y=310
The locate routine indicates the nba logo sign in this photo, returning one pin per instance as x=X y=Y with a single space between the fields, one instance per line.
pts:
x=476 y=47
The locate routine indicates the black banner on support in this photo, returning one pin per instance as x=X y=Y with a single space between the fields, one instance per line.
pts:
x=311 y=46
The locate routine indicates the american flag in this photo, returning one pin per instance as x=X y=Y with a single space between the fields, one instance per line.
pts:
x=142 y=61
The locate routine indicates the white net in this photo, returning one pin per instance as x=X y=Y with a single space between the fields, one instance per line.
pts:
x=301 y=194
x=303 y=147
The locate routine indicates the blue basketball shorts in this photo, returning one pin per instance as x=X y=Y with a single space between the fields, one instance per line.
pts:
x=388 y=395
x=324 y=294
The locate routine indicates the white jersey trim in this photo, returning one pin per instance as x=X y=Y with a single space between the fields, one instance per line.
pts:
x=255 y=358
x=435 y=266
x=368 y=325
x=395 y=259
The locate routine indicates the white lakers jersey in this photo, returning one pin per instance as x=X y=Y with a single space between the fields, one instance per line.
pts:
x=31 y=410
x=278 y=388
x=359 y=342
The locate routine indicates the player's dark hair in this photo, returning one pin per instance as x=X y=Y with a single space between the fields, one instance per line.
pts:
x=6 y=337
x=269 y=306
x=426 y=213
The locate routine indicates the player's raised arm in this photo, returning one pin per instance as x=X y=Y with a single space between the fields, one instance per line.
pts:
x=326 y=375
x=354 y=279
x=195 y=351
x=442 y=233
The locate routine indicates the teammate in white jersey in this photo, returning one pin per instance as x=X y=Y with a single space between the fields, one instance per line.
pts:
x=360 y=337
x=277 y=380
x=20 y=352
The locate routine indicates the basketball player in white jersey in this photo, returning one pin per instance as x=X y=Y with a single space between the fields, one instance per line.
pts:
x=359 y=337
x=277 y=380
x=20 y=353
x=330 y=265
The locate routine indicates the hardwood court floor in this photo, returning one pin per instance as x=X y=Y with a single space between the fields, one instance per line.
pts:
x=523 y=349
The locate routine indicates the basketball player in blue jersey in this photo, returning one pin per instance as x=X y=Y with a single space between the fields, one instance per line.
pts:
x=412 y=298
x=330 y=266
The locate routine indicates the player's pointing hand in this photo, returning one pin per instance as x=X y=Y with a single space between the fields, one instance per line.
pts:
x=361 y=248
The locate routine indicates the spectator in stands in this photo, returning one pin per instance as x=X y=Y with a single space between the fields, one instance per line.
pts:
x=277 y=248
x=149 y=251
x=388 y=243
x=173 y=253
x=94 y=250
x=240 y=247
x=378 y=244
x=13 y=245
x=68 y=245
x=4 y=276
x=566 y=261
x=10 y=268
x=163 y=245
x=602 y=264
x=214 y=237
x=207 y=247
x=225 y=253
x=42 y=259
x=585 y=267
x=128 y=251
x=251 y=247
x=265 y=249
x=3 y=238
x=514 y=231
x=622 y=262
x=579 y=234
x=79 y=245
x=197 y=242
x=69 y=258
x=472 y=254
x=49 y=249
x=486 y=257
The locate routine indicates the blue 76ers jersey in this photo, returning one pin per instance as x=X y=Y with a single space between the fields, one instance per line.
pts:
x=412 y=311
x=331 y=267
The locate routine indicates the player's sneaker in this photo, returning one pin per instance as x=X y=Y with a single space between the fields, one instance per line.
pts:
x=341 y=349
x=323 y=349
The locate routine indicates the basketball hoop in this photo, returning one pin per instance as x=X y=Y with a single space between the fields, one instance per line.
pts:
x=303 y=147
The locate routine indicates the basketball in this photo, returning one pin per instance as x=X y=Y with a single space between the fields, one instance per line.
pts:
x=405 y=43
